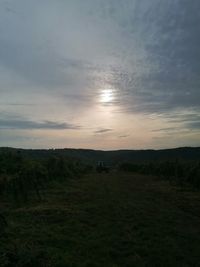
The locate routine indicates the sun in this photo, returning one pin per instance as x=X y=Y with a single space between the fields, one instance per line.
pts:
x=107 y=95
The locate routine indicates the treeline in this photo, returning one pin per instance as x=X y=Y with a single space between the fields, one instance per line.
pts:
x=22 y=178
x=180 y=172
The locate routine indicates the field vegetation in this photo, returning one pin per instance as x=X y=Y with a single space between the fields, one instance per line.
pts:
x=182 y=173
x=57 y=211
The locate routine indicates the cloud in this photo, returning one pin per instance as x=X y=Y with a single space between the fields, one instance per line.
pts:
x=101 y=131
x=16 y=104
x=148 y=51
x=168 y=129
x=184 y=117
x=193 y=125
x=25 y=124
x=167 y=75
x=187 y=123
x=123 y=136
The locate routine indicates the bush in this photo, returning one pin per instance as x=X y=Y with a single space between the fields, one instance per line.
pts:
x=176 y=171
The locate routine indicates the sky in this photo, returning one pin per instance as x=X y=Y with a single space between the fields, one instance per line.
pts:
x=99 y=74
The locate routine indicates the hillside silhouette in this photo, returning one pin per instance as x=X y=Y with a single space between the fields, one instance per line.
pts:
x=182 y=153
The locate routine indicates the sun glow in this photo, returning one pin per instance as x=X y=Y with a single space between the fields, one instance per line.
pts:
x=107 y=96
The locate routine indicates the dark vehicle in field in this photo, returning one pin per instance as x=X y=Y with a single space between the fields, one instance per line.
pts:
x=102 y=167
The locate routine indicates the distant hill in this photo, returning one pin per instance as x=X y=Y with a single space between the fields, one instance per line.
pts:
x=183 y=153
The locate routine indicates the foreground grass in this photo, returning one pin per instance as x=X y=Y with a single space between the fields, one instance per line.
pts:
x=112 y=220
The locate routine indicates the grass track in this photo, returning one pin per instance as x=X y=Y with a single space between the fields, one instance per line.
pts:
x=113 y=220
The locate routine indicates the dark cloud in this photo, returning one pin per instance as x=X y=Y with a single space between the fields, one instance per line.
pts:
x=101 y=131
x=193 y=125
x=168 y=129
x=183 y=118
x=123 y=136
x=24 y=124
x=181 y=124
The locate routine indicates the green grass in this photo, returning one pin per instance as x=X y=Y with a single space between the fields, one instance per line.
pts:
x=113 y=220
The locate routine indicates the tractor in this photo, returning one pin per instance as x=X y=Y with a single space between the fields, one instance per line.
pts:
x=102 y=167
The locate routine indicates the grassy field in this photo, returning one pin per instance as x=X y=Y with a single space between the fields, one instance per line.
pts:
x=113 y=220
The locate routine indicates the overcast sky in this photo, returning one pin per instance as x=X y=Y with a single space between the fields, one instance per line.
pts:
x=102 y=74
